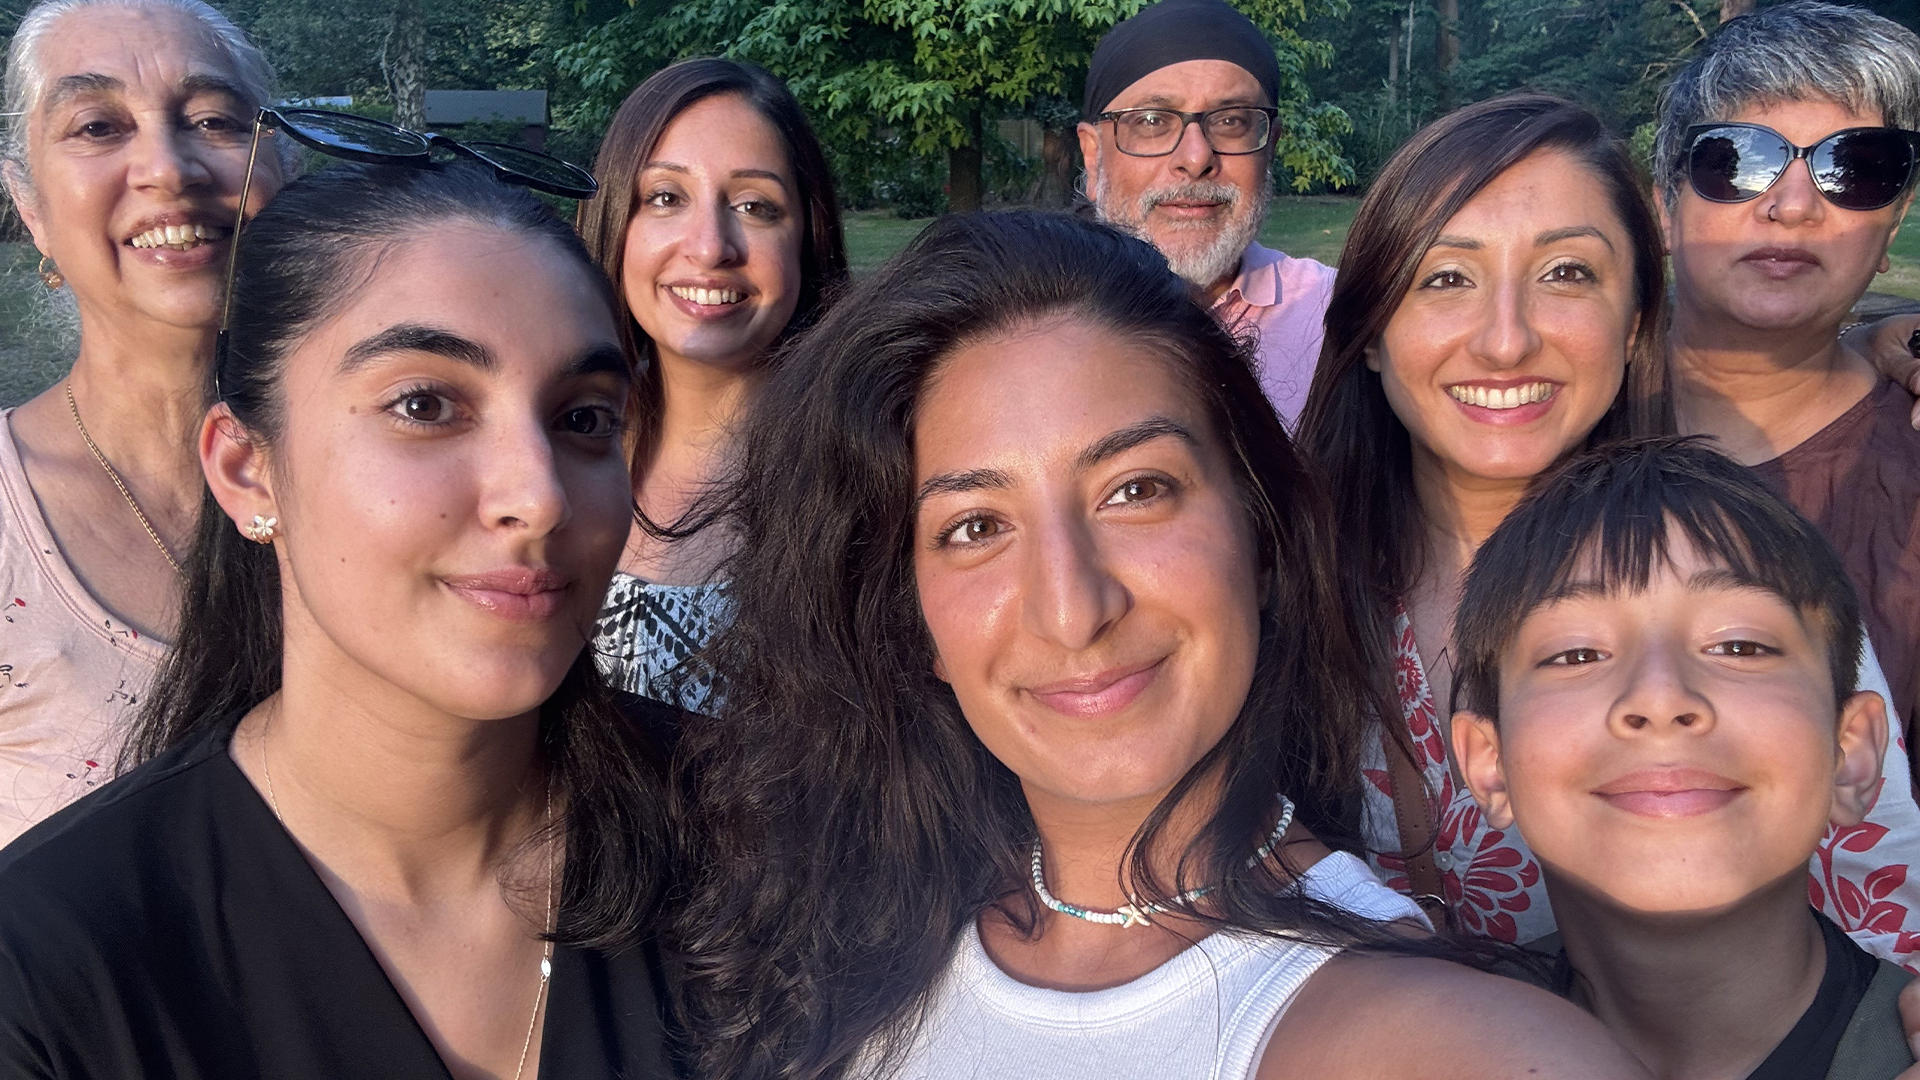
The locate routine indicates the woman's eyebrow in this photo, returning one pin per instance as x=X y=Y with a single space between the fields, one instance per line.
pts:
x=1554 y=236
x=73 y=86
x=956 y=483
x=1119 y=442
x=414 y=337
x=602 y=359
x=205 y=83
x=1128 y=437
x=759 y=174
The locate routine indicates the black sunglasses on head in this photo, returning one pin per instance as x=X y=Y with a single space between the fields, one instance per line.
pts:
x=361 y=138
x=1863 y=168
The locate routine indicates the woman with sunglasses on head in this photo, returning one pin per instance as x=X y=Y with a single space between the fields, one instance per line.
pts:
x=1785 y=161
x=1499 y=308
x=1040 y=721
x=126 y=151
x=385 y=820
x=717 y=222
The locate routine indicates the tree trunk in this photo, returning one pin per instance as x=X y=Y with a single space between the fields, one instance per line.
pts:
x=966 y=183
x=403 y=60
x=1393 y=68
x=1055 y=190
x=1446 y=48
x=1733 y=9
x=963 y=178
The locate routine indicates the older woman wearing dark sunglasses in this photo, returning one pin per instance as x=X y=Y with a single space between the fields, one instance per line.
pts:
x=1786 y=159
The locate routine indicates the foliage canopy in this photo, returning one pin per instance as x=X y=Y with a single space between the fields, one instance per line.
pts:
x=928 y=72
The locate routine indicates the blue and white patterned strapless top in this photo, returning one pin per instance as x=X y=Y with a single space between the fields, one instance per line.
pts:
x=646 y=632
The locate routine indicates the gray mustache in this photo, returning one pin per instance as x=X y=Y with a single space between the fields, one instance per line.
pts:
x=1198 y=191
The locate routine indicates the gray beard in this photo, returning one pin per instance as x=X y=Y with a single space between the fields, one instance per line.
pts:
x=1216 y=255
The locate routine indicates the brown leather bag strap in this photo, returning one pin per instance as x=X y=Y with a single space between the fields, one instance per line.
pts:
x=1413 y=814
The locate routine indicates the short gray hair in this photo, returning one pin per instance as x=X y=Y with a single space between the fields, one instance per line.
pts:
x=1795 y=51
x=26 y=79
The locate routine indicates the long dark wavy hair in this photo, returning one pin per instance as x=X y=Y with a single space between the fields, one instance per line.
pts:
x=300 y=260
x=1361 y=449
x=629 y=143
x=852 y=825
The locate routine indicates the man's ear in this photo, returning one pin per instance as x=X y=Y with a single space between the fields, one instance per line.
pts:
x=21 y=193
x=237 y=468
x=1089 y=156
x=1476 y=752
x=1863 y=747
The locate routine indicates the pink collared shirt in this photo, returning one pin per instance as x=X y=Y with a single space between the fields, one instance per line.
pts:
x=1281 y=302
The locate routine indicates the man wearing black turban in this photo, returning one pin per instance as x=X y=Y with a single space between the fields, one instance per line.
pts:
x=1177 y=133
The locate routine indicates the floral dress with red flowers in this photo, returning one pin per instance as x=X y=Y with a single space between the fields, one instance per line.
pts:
x=1858 y=876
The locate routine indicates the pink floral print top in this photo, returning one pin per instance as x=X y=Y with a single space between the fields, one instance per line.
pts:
x=1858 y=876
x=72 y=674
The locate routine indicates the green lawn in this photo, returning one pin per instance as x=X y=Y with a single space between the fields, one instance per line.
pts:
x=1313 y=226
x=31 y=358
x=1904 y=278
x=1310 y=225
x=874 y=235
x=1316 y=226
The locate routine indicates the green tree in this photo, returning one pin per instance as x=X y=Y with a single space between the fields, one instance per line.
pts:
x=386 y=53
x=927 y=76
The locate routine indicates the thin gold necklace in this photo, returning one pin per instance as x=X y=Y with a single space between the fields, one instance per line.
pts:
x=114 y=476
x=546 y=956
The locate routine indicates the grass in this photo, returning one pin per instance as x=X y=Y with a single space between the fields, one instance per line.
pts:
x=31 y=358
x=1315 y=226
x=873 y=236
x=1904 y=278
x=1311 y=225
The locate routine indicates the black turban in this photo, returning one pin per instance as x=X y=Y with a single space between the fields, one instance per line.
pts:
x=1171 y=32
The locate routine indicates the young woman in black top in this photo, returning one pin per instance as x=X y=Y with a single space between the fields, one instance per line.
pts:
x=386 y=821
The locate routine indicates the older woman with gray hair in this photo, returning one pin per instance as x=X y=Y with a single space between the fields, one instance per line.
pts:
x=1770 y=256
x=125 y=152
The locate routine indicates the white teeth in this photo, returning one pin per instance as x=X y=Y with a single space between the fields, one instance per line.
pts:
x=707 y=297
x=178 y=237
x=1511 y=397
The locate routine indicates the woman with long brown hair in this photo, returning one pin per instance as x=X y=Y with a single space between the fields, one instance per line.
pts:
x=1038 y=752
x=718 y=225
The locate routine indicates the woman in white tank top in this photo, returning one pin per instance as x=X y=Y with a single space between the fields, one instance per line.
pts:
x=1037 y=756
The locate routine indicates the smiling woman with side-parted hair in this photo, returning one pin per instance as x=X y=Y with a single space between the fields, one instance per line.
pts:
x=1040 y=738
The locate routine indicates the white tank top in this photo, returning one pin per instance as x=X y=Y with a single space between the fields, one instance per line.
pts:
x=1205 y=1014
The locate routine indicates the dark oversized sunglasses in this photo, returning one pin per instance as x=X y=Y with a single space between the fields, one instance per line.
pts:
x=361 y=138
x=1863 y=168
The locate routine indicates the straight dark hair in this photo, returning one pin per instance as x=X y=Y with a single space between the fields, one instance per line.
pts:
x=630 y=140
x=1610 y=518
x=301 y=260
x=853 y=825
x=1348 y=428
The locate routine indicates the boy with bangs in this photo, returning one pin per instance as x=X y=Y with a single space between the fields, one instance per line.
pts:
x=1656 y=687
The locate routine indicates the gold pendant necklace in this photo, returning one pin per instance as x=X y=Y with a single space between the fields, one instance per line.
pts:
x=152 y=533
x=546 y=957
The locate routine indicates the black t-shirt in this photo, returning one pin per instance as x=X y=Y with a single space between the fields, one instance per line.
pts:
x=167 y=926
x=1808 y=1049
